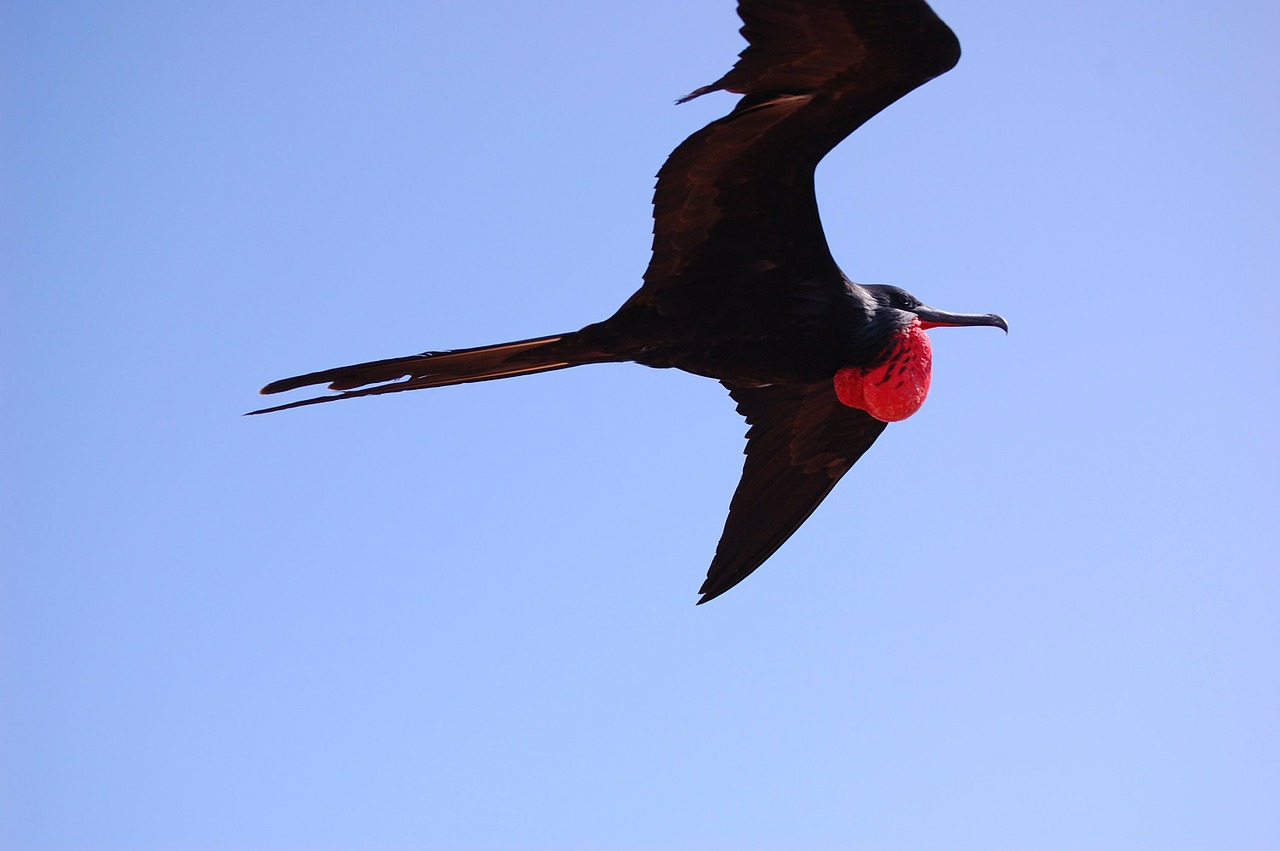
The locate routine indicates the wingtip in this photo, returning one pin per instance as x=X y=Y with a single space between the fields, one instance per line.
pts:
x=709 y=592
x=697 y=93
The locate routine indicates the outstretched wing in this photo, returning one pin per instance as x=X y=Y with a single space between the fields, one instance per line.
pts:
x=738 y=196
x=801 y=441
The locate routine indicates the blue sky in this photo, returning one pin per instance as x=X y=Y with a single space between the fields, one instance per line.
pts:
x=1041 y=614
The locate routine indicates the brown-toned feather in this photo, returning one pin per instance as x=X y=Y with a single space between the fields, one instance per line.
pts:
x=801 y=441
x=738 y=194
x=434 y=369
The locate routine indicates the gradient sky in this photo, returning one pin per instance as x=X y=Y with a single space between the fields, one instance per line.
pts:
x=1041 y=614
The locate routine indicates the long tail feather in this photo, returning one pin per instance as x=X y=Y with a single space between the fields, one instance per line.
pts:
x=433 y=369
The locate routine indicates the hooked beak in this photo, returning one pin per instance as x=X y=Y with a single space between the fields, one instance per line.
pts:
x=933 y=318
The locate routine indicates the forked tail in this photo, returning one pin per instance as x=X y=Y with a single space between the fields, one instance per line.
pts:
x=436 y=369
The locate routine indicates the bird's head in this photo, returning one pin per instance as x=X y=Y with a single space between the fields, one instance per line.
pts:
x=896 y=383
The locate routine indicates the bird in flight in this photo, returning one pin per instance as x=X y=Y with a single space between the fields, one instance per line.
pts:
x=741 y=286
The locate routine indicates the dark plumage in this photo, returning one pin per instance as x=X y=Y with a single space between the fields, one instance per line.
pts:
x=741 y=286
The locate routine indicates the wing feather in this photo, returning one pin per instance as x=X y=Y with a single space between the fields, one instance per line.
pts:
x=738 y=195
x=800 y=442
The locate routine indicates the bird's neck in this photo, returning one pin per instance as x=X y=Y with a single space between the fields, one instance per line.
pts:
x=898 y=384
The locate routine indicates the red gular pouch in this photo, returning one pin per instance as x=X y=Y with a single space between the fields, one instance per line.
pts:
x=898 y=386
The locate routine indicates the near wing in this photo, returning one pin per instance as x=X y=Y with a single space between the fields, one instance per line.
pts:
x=801 y=441
x=738 y=195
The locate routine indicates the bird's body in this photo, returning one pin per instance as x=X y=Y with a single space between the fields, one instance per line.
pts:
x=741 y=286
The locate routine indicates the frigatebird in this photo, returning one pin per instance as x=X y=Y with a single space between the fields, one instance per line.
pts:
x=741 y=286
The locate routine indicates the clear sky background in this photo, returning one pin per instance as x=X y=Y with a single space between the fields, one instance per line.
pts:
x=1041 y=614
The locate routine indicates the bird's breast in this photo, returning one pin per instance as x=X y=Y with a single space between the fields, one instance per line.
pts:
x=897 y=386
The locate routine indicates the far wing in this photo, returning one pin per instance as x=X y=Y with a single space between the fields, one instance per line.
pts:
x=738 y=195
x=801 y=441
